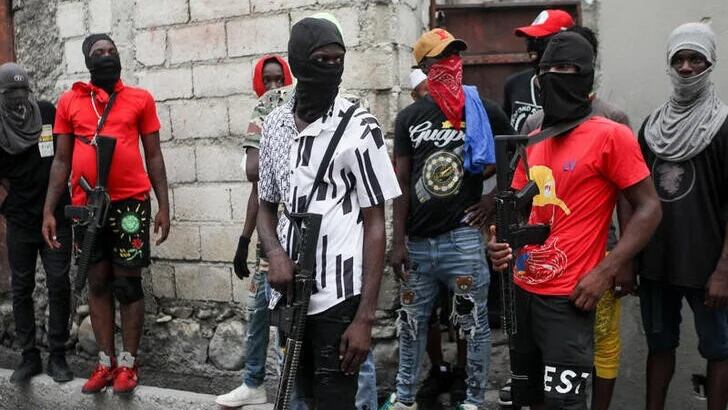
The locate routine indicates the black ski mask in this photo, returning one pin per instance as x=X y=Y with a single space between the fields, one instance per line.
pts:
x=565 y=96
x=105 y=70
x=317 y=82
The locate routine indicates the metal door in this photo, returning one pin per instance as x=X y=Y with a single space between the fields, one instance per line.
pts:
x=494 y=52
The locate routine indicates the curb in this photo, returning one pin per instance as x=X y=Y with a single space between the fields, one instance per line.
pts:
x=43 y=393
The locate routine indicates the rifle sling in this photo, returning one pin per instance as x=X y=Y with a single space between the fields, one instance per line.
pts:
x=550 y=132
x=326 y=160
x=102 y=120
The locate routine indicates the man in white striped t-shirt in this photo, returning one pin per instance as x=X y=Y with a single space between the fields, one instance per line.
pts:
x=351 y=197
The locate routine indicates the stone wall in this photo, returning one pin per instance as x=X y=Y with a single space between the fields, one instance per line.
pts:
x=196 y=57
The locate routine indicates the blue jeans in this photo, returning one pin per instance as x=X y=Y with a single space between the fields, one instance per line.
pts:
x=366 y=395
x=256 y=338
x=457 y=260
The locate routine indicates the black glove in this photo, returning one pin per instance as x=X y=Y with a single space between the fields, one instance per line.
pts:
x=240 y=263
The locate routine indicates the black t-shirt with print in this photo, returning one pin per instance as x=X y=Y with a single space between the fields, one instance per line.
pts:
x=520 y=98
x=28 y=174
x=694 y=194
x=440 y=189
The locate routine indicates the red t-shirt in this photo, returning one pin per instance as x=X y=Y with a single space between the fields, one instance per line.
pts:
x=579 y=176
x=133 y=114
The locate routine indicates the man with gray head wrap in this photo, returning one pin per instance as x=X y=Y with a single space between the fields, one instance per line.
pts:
x=685 y=142
x=27 y=148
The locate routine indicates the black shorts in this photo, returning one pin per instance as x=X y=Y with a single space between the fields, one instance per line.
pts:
x=552 y=352
x=125 y=238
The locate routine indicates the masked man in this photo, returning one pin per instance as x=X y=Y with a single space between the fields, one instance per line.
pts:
x=685 y=142
x=558 y=284
x=122 y=248
x=27 y=147
x=437 y=238
x=520 y=93
x=350 y=197
x=607 y=341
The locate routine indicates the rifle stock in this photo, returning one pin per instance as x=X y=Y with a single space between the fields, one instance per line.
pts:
x=95 y=212
x=291 y=318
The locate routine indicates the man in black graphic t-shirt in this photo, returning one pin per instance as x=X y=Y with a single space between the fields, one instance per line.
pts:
x=437 y=219
x=441 y=191
x=685 y=144
x=520 y=93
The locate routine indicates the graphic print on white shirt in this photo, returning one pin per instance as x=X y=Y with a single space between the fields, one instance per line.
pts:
x=360 y=175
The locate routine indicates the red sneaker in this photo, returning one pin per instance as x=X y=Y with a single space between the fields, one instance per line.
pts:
x=125 y=379
x=101 y=377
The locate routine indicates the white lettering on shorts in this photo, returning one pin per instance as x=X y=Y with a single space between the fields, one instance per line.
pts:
x=569 y=381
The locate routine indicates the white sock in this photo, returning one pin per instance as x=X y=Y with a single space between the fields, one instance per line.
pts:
x=104 y=359
x=126 y=360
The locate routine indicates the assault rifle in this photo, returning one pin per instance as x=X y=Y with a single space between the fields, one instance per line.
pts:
x=94 y=214
x=291 y=317
x=509 y=152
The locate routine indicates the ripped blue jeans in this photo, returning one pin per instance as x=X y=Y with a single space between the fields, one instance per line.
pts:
x=456 y=259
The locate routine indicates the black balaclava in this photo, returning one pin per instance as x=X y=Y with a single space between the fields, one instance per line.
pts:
x=105 y=70
x=318 y=83
x=565 y=97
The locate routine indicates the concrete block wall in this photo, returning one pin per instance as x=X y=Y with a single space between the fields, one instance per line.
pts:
x=196 y=57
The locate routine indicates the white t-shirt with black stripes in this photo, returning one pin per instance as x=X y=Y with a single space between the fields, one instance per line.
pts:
x=360 y=175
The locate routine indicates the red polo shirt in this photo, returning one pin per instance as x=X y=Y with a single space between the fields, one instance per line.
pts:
x=133 y=115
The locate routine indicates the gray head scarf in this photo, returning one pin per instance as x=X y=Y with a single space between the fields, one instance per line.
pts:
x=686 y=124
x=20 y=120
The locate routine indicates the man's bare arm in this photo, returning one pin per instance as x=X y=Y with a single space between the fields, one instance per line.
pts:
x=355 y=342
x=240 y=261
x=158 y=177
x=57 y=185
x=716 y=292
x=399 y=259
x=266 y=222
x=280 y=270
x=646 y=215
x=251 y=212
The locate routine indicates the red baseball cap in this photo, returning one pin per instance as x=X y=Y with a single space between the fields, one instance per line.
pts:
x=547 y=23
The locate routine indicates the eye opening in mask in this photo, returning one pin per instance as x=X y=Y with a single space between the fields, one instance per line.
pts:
x=332 y=54
x=560 y=68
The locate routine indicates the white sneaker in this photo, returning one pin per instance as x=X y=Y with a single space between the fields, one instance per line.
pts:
x=467 y=407
x=243 y=395
x=393 y=404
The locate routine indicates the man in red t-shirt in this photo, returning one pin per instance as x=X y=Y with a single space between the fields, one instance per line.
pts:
x=122 y=249
x=558 y=284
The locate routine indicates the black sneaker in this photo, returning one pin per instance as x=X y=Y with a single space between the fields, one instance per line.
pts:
x=29 y=367
x=504 y=395
x=436 y=383
x=458 y=388
x=58 y=369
